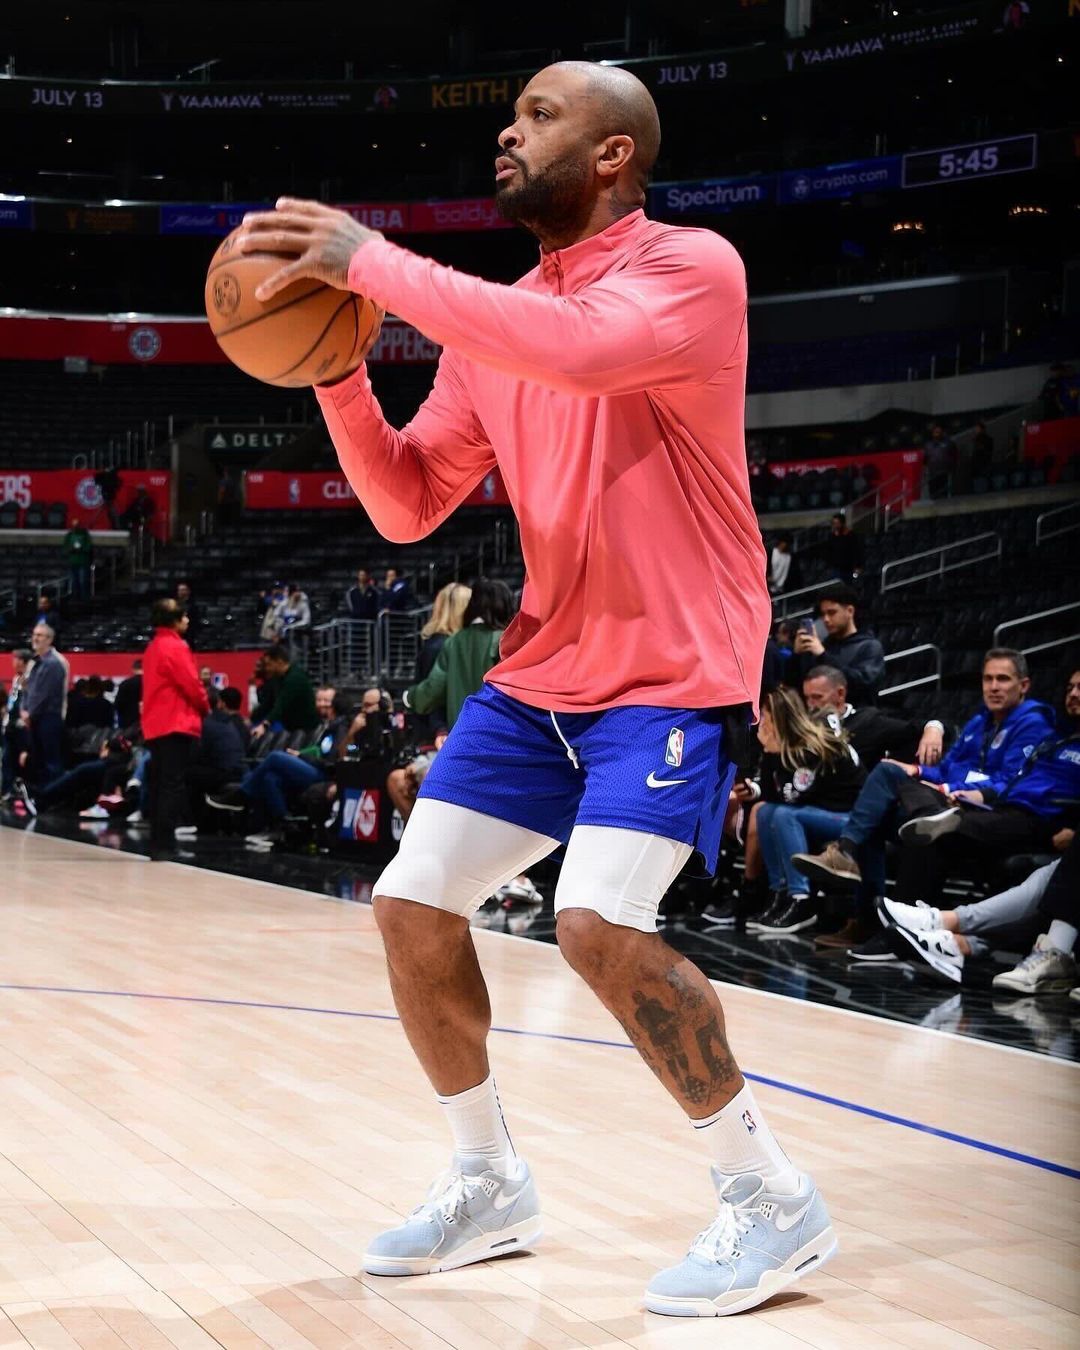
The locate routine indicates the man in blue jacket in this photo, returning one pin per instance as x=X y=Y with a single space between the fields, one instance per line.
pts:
x=1025 y=815
x=987 y=756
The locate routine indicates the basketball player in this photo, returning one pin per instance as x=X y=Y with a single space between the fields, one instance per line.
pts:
x=607 y=385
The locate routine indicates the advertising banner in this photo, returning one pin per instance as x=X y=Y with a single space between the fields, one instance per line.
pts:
x=72 y=218
x=226 y=668
x=839 y=180
x=212 y=218
x=465 y=213
x=16 y=214
x=163 y=341
x=260 y=438
x=903 y=464
x=79 y=492
x=711 y=195
x=274 y=490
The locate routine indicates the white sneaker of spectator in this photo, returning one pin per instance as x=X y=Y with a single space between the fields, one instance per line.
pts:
x=186 y=831
x=96 y=812
x=136 y=818
x=265 y=842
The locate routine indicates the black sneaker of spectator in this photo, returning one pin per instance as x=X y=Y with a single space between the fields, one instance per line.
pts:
x=778 y=902
x=720 y=913
x=875 y=949
x=228 y=799
x=798 y=913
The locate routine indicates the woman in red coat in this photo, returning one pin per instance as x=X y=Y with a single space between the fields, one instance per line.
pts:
x=173 y=706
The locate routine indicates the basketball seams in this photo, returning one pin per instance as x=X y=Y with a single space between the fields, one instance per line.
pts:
x=349 y=299
x=258 y=318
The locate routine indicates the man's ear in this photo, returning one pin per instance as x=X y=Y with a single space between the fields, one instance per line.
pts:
x=615 y=154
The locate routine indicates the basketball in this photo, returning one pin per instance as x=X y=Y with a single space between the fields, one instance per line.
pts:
x=309 y=333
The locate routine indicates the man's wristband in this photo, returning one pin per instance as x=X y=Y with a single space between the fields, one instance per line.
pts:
x=940 y=726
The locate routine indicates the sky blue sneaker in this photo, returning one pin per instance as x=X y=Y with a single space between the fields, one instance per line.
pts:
x=470 y=1214
x=758 y=1244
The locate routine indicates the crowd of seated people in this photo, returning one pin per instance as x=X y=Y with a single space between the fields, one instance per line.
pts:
x=867 y=815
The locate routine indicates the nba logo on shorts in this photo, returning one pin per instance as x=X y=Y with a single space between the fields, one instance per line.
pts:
x=748 y=1121
x=674 y=748
x=294 y=491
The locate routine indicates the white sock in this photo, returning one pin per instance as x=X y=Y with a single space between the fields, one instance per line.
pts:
x=1062 y=936
x=477 y=1124
x=740 y=1141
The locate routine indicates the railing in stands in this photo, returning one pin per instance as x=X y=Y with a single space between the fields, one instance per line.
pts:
x=1045 y=530
x=362 y=649
x=989 y=543
x=916 y=682
x=398 y=641
x=1034 y=619
x=343 y=649
x=781 y=603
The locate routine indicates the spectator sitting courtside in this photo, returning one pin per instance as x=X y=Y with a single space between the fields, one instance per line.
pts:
x=293 y=708
x=989 y=753
x=129 y=696
x=874 y=733
x=859 y=655
x=809 y=780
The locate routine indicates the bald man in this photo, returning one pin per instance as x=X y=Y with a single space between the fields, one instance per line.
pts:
x=607 y=386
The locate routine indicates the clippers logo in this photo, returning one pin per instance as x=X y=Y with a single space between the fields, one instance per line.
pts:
x=748 y=1121
x=144 y=344
x=88 y=494
x=673 y=755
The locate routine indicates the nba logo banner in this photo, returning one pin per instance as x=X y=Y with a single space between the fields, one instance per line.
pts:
x=674 y=748
x=360 y=816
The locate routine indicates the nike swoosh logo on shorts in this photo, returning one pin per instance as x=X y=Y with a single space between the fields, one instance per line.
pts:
x=784 y=1220
x=654 y=782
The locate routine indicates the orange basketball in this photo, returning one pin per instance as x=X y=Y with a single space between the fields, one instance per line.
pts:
x=309 y=333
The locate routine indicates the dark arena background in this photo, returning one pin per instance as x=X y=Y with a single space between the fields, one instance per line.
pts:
x=194 y=1136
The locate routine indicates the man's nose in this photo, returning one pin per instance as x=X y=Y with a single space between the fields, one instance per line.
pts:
x=509 y=139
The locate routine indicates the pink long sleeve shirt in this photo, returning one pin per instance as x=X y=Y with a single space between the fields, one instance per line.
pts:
x=607 y=385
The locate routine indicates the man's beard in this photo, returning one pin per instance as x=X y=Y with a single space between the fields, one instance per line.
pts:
x=548 y=201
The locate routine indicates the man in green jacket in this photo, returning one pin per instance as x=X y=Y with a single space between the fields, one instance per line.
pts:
x=294 y=707
x=77 y=549
x=466 y=656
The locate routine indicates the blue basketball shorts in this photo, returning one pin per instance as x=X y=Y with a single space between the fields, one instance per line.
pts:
x=662 y=771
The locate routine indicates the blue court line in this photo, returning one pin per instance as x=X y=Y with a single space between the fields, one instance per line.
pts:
x=870 y=1111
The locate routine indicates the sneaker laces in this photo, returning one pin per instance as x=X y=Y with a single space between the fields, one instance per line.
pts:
x=719 y=1241
x=447 y=1195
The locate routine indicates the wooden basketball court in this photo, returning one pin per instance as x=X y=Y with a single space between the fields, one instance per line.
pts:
x=206 y=1105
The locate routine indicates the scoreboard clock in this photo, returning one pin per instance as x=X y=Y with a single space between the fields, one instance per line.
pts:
x=958 y=163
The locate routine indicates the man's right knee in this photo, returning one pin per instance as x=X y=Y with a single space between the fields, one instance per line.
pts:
x=413 y=930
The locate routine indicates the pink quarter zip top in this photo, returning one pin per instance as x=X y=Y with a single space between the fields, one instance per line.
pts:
x=607 y=385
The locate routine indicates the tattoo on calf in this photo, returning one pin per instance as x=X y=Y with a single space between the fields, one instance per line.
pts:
x=695 y=1059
